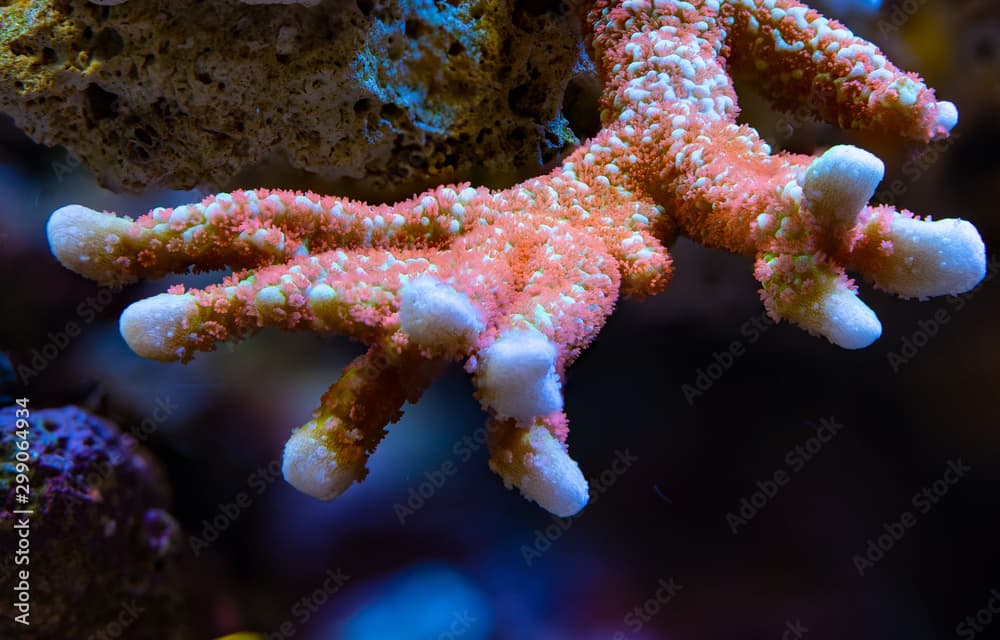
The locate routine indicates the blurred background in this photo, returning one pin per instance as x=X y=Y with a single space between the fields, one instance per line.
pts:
x=686 y=538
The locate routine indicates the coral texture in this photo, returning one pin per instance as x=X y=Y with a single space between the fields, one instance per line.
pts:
x=375 y=97
x=104 y=551
x=517 y=282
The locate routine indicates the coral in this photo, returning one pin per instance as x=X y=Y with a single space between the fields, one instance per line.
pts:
x=104 y=552
x=380 y=96
x=517 y=282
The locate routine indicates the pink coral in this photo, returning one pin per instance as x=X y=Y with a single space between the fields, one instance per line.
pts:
x=518 y=282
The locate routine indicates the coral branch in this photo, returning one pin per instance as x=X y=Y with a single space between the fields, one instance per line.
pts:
x=327 y=454
x=518 y=282
x=799 y=57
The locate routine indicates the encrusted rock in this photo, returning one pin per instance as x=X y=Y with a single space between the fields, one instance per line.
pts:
x=373 y=96
x=103 y=552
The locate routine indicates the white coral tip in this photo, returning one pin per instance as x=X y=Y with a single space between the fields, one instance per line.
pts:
x=309 y=466
x=839 y=183
x=933 y=258
x=517 y=376
x=154 y=327
x=846 y=321
x=435 y=315
x=550 y=477
x=947 y=115
x=78 y=237
x=837 y=314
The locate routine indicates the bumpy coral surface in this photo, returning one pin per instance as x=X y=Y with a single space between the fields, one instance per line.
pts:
x=181 y=93
x=517 y=282
x=104 y=552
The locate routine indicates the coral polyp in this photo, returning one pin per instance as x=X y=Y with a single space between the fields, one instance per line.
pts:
x=517 y=282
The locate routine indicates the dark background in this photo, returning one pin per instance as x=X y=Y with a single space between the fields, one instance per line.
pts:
x=461 y=557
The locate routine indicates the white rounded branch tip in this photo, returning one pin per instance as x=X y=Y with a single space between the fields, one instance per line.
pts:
x=517 y=376
x=435 y=315
x=153 y=327
x=312 y=468
x=933 y=258
x=846 y=321
x=839 y=183
x=551 y=478
x=78 y=237
x=947 y=115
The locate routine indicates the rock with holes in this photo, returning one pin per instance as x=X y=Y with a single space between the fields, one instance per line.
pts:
x=374 y=97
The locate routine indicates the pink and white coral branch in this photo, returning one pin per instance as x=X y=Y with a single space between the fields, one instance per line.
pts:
x=517 y=282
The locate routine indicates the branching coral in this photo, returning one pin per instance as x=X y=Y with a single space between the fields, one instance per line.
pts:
x=517 y=282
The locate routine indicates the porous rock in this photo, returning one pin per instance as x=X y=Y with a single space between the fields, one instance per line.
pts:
x=373 y=96
x=104 y=554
